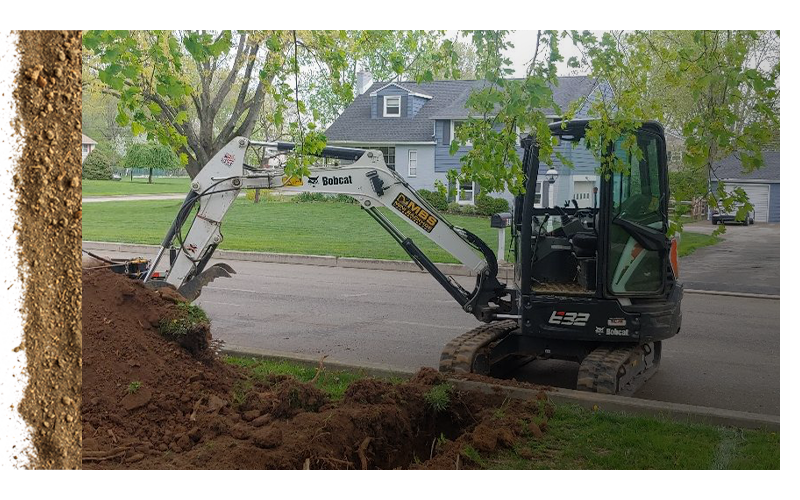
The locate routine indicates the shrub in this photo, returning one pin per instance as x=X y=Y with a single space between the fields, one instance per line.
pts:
x=97 y=166
x=309 y=197
x=268 y=196
x=317 y=197
x=343 y=198
x=436 y=199
x=486 y=205
x=455 y=208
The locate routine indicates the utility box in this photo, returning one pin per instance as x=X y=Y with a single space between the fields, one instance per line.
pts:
x=500 y=220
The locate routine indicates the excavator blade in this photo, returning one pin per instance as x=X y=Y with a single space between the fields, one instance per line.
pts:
x=191 y=289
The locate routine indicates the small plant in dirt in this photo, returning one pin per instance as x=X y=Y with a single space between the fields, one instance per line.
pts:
x=499 y=412
x=193 y=313
x=471 y=453
x=134 y=386
x=240 y=391
x=438 y=398
x=189 y=327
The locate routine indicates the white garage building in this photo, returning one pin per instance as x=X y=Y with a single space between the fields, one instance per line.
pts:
x=763 y=186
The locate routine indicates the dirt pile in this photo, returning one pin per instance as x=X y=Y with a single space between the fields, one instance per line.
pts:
x=149 y=403
x=48 y=183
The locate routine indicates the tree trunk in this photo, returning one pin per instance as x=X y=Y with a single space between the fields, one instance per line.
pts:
x=150 y=176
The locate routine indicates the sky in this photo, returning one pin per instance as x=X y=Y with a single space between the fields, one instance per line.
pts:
x=524 y=46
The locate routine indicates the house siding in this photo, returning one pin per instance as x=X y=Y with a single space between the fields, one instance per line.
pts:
x=426 y=177
x=444 y=161
x=774 y=203
x=415 y=104
x=584 y=168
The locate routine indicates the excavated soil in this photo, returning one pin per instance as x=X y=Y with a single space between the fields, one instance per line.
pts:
x=149 y=403
x=48 y=183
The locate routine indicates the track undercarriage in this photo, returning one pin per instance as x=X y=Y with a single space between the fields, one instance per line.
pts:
x=608 y=368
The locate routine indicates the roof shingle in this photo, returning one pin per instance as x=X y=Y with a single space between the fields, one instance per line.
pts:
x=448 y=102
x=731 y=168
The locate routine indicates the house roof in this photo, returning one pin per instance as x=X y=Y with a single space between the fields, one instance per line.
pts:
x=448 y=101
x=731 y=168
x=395 y=84
x=85 y=139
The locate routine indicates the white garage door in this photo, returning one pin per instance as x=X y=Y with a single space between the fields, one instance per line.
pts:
x=759 y=198
x=583 y=193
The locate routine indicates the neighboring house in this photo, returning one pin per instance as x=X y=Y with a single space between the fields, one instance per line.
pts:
x=413 y=123
x=87 y=145
x=763 y=186
x=675 y=148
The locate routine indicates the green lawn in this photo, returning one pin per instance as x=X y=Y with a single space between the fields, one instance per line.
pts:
x=160 y=185
x=582 y=439
x=692 y=241
x=577 y=438
x=313 y=228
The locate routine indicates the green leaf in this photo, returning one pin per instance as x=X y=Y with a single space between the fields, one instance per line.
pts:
x=137 y=128
x=122 y=119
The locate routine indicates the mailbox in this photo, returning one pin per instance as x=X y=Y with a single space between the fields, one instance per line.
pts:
x=501 y=220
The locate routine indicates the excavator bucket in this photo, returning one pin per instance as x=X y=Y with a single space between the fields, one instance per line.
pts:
x=191 y=289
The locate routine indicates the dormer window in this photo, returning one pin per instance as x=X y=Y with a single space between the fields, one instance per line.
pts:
x=391 y=106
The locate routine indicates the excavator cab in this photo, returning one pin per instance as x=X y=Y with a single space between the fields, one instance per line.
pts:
x=594 y=282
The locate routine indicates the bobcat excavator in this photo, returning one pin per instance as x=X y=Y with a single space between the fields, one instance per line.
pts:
x=594 y=285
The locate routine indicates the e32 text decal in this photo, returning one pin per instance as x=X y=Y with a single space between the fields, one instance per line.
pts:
x=567 y=318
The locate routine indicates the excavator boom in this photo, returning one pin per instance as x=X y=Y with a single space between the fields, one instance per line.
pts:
x=367 y=179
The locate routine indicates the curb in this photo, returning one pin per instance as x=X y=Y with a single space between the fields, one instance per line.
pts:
x=735 y=294
x=505 y=272
x=592 y=401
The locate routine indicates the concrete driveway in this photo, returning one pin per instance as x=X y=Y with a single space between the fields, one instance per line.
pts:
x=747 y=260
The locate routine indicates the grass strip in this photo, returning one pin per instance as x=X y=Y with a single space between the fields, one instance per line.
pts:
x=160 y=185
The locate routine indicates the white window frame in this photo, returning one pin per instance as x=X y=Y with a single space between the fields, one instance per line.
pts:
x=412 y=171
x=471 y=201
x=386 y=106
x=541 y=186
x=453 y=132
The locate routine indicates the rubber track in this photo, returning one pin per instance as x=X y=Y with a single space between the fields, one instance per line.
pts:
x=459 y=354
x=599 y=371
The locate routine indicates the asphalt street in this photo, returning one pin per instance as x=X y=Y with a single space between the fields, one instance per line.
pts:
x=727 y=354
x=747 y=260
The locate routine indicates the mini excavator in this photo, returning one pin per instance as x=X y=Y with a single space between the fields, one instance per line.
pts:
x=596 y=285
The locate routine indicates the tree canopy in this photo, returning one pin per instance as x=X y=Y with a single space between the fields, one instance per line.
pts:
x=196 y=90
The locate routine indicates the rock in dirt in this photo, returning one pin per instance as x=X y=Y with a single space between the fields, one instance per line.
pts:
x=268 y=437
x=137 y=399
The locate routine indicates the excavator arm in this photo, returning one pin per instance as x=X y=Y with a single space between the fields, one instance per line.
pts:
x=367 y=179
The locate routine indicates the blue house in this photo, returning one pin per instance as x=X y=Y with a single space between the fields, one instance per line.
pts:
x=412 y=125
